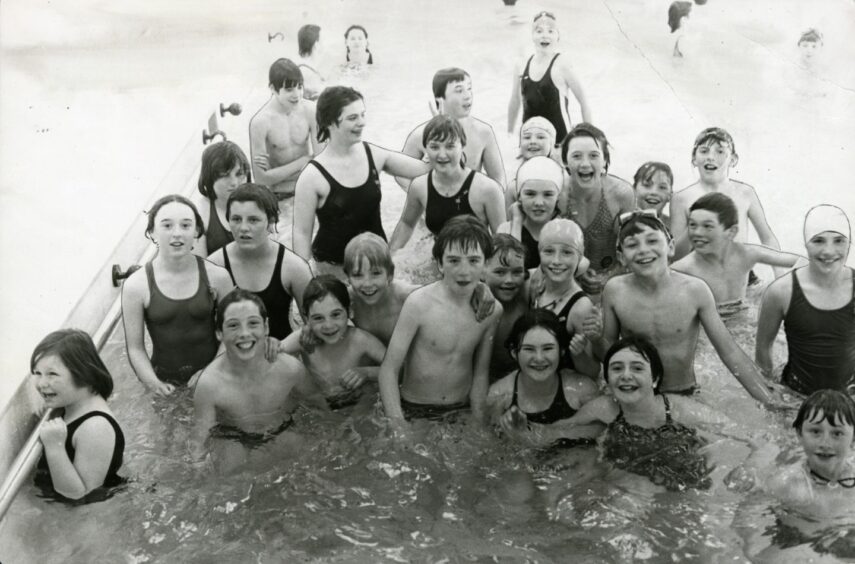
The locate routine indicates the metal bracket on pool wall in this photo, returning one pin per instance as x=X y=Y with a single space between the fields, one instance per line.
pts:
x=272 y=36
x=233 y=108
x=117 y=275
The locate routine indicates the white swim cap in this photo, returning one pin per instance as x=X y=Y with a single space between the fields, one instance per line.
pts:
x=538 y=122
x=565 y=232
x=826 y=217
x=540 y=168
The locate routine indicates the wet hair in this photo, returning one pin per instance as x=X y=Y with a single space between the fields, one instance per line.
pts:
x=261 y=195
x=719 y=204
x=646 y=171
x=363 y=30
x=504 y=244
x=540 y=317
x=444 y=76
x=441 y=128
x=465 y=230
x=218 y=160
x=330 y=105
x=643 y=347
x=676 y=12
x=369 y=246
x=284 y=73
x=77 y=352
x=834 y=405
x=586 y=130
x=322 y=286
x=636 y=224
x=812 y=36
x=713 y=135
x=307 y=36
x=235 y=296
x=168 y=199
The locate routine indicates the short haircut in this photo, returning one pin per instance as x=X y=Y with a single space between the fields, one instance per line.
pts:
x=218 y=160
x=371 y=247
x=307 y=36
x=712 y=135
x=363 y=30
x=646 y=171
x=235 y=296
x=322 y=286
x=465 y=230
x=587 y=130
x=540 y=317
x=719 y=204
x=677 y=11
x=168 y=199
x=261 y=195
x=812 y=36
x=441 y=128
x=284 y=73
x=834 y=405
x=636 y=225
x=330 y=105
x=643 y=347
x=503 y=244
x=77 y=352
x=444 y=76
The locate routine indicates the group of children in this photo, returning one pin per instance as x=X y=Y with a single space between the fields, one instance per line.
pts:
x=540 y=287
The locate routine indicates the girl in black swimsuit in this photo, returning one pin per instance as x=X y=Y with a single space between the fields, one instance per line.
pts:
x=224 y=168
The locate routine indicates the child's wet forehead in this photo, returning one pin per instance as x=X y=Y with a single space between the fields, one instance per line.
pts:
x=458 y=248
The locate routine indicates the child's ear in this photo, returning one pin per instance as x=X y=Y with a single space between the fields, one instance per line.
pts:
x=672 y=249
x=621 y=258
x=734 y=160
x=219 y=335
x=732 y=231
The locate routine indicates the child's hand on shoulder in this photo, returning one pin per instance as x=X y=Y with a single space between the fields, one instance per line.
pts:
x=578 y=344
x=308 y=340
x=483 y=303
x=592 y=326
x=53 y=433
x=352 y=378
x=271 y=350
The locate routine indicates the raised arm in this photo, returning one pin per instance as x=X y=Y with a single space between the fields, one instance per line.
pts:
x=515 y=101
x=396 y=355
x=773 y=257
x=412 y=148
x=93 y=444
x=758 y=219
x=306 y=200
x=134 y=292
x=772 y=312
x=414 y=207
x=398 y=164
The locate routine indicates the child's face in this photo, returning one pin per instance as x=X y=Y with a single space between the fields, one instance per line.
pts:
x=538 y=199
x=544 y=34
x=629 y=376
x=585 y=161
x=248 y=224
x=462 y=268
x=369 y=282
x=654 y=192
x=506 y=278
x=327 y=319
x=444 y=155
x=225 y=185
x=174 y=229
x=559 y=261
x=458 y=98
x=706 y=233
x=538 y=354
x=535 y=142
x=289 y=96
x=828 y=251
x=54 y=383
x=244 y=330
x=350 y=122
x=713 y=160
x=647 y=251
x=826 y=445
x=808 y=49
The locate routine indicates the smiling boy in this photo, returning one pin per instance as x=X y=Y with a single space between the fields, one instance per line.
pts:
x=506 y=276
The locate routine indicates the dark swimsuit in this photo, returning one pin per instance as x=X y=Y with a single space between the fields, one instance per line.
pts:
x=542 y=98
x=559 y=408
x=43 y=479
x=667 y=454
x=247 y=438
x=347 y=212
x=276 y=299
x=532 y=253
x=440 y=209
x=820 y=343
x=431 y=411
x=216 y=237
x=182 y=331
x=601 y=237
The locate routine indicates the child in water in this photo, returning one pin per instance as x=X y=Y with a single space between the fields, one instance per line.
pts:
x=83 y=444
x=678 y=15
x=653 y=185
x=810 y=43
x=507 y=278
x=340 y=357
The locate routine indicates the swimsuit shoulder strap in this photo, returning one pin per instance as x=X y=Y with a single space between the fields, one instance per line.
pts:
x=464 y=189
x=372 y=168
x=203 y=272
x=280 y=255
x=324 y=172
x=552 y=62
x=668 y=420
x=527 y=64
x=516 y=381
x=149 y=274
x=228 y=264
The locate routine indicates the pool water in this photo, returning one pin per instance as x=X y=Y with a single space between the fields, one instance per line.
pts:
x=334 y=487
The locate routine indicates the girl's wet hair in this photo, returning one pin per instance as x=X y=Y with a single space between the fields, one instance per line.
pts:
x=540 y=317
x=330 y=105
x=676 y=12
x=371 y=247
x=504 y=244
x=643 y=347
x=307 y=36
x=363 y=30
x=178 y=198
x=218 y=160
x=443 y=77
x=835 y=407
x=77 y=352
x=235 y=296
x=468 y=232
x=261 y=195
x=721 y=205
x=646 y=171
x=322 y=286
x=442 y=128
x=585 y=129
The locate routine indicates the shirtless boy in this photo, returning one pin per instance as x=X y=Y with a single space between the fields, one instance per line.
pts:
x=506 y=276
x=443 y=349
x=668 y=308
x=716 y=258
x=714 y=154
x=241 y=393
x=282 y=135
x=452 y=90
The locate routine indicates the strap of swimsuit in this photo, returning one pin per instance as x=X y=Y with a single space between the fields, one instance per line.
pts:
x=228 y=265
x=568 y=307
x=514 y=398
x=324 y=172
x=464 y=189
x=525 y=71
x=667 y=409
x=549 y=68
x=149 y=274
x=277 y=270
x=203 y=273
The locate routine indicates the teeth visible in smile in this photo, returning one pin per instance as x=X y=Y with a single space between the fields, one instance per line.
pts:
x=245 y=346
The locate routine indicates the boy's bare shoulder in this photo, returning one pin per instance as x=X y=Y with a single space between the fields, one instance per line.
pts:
x=307 y=108
x=482 y=128
x=742 y=187
x=689 y=193
x=617 y=283
x=287 y=365
x=688 y=282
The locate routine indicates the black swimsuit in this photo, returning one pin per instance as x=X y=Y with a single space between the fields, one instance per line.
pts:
x=542 y=98
x=440 y=209
x=347 y=212
x=559 y=408
x=532 y=253
x=216 y=236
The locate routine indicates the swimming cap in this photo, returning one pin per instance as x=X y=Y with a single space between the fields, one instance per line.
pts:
x=565 y=232
x=823 y=218
x=540 y=168
x=538 y=122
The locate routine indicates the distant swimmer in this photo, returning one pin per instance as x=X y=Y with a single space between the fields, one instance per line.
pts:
x=810 y=46
x=310 y=47
x=224 y=168
x=542 y=84
x=678 y=17
x=452 y=91
x=283 y=134
x=356 y=43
